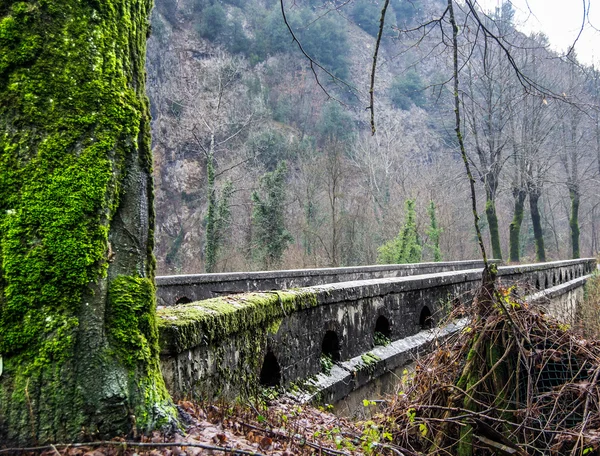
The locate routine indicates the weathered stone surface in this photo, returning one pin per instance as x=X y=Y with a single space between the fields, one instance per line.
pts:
x=180 y=289
x=217 y=347
x=355 y=373
x=561 y=300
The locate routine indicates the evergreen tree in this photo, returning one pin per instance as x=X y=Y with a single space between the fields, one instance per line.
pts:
x=213 y=22
x=406 y=91
x=366 y=15
x=270 y=238
x=405 y=247
x=218 y=219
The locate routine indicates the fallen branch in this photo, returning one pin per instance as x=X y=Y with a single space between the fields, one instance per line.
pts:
x=65 y=446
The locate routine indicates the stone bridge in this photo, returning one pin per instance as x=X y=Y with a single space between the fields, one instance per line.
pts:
x=368 y=320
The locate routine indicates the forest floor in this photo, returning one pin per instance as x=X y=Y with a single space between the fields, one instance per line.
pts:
x=279 y=428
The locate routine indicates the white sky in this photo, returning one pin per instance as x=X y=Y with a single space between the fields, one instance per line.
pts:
x=561 y=21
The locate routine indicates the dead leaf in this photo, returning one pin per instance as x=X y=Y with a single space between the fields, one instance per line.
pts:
x=222 y=438
x=265 y=443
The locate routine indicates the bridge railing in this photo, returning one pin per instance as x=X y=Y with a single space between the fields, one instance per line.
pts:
x=181 y=289
x=223 y=345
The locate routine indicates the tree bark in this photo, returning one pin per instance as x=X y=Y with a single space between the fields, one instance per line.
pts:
x=78 y=334
x=492 y=218
x=574 y=221
x=515 y=226
x=211 y=247
x=536 y=219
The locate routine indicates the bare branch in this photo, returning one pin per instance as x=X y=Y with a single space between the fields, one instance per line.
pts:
x=372 y=88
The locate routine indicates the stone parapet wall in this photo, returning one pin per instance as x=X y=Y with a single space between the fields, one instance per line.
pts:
x=181 y=289
x=541 y=276
x=224 y=346
x=561 y=301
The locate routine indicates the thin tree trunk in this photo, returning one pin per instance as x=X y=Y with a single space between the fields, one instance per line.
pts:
x=536 y=220
x=515 y=225
x=78 y=335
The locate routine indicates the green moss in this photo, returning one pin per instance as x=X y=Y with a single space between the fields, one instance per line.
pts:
x=60 y=156
x=369 y=358
x=73 y=119
x=131 y=320
x=204 y=322
x=244 y=321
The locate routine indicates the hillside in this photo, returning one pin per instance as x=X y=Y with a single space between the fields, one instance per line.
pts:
x=232 y=97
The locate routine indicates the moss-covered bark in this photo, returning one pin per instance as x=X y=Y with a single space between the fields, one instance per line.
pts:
x=574 y=221
x=77 y=330
x=536 y=220
x=514 y=231
x=492 y=219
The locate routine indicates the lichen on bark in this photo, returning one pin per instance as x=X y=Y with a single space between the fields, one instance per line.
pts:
x=75 y=222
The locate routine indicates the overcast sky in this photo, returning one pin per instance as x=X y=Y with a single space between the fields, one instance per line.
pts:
x=561 y=21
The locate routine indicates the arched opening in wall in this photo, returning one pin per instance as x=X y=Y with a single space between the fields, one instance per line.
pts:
x=331 y=346
x=554 y=279
x=425 y=320
x=270 y=373
x=537 y=283
x=545 y=282
x=382 y=331
x=183 y=300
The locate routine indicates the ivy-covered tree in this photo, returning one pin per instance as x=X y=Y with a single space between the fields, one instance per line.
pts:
x=405 y=247
x=270 y=238
x=218 y=220
x=433 y=233
x=78 y=337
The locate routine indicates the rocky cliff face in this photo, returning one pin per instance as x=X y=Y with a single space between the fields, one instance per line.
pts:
x=183 y=77
x=228 y=86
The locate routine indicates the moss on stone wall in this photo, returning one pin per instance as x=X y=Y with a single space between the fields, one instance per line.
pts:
x=203 y=322
x=73 y=119
x=229 y=338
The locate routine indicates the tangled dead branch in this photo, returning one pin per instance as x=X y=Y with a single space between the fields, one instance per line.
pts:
x=515 y=382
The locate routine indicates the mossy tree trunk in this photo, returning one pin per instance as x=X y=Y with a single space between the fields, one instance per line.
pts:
x=536 y=220
x=574 y=220
x=78 y=335
x=211 y=247
x=519 y=195
x=492 y=219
